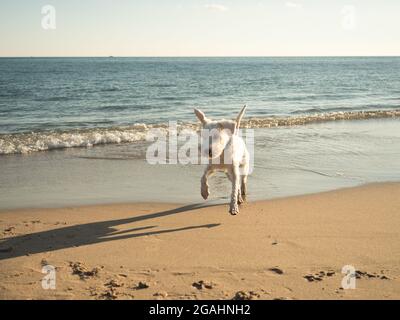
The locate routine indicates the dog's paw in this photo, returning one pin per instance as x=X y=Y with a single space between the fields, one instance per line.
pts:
x=234 y=210
x=240 y=200
x=205 y=193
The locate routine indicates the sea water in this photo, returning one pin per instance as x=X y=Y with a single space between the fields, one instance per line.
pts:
x=72 y=130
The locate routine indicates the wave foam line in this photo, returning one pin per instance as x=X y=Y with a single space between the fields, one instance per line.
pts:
x=22 y=143
x=42 y=141
x=318 y=117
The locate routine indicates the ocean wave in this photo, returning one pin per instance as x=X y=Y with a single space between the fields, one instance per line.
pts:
x=22 y=143
x=42 y=141
x=318 y=117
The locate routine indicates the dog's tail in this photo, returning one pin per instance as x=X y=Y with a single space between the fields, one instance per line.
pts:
x=239 y=118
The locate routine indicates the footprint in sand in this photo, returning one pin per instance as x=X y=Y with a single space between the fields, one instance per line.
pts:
x=114 y=284
x=246 y=295
x=276 y=270
x=319 y=276
x=367 y=275
x=141 y=285
x=161 y=294
x=82 y=271
x=111 y=292
x=203 y=285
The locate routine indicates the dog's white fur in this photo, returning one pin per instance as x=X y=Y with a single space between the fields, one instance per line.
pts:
x=232 y=153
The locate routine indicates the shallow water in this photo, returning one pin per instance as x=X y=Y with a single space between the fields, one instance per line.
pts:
x=287 y=161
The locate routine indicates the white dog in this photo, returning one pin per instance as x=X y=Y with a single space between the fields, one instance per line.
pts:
x=227 y=152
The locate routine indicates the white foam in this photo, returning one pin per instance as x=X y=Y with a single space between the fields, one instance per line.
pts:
x=41 y=141
x=31 y=142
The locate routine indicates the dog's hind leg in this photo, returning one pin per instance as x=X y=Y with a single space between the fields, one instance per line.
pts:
x=235 y=176
x=240 y=197
x=244 y=174
x=243 y=187
x=204 y=181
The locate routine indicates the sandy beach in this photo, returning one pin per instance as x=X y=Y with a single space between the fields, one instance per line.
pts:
x=131 y=130
x=288 y=248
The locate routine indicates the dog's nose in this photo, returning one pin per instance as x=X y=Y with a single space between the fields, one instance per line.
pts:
x=210 y=153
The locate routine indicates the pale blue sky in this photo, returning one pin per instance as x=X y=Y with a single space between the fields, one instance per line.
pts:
x=200 y=28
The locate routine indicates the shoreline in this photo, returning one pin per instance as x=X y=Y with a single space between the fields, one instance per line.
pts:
x=286 y=248
x=200 y=204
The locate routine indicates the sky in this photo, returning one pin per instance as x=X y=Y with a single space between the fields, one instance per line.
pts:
x=200 y=28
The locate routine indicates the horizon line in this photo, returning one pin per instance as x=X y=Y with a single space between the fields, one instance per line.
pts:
x=209 y=56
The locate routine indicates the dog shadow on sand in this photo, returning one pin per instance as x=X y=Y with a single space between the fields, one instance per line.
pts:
x=90 y=233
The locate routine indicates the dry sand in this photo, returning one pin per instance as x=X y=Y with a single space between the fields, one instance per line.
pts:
x=291 y=248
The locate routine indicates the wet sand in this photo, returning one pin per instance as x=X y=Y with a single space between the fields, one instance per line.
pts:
x=288 y=248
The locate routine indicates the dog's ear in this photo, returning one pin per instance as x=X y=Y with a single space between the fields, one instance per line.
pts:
x=240 y=116
x=201 y=116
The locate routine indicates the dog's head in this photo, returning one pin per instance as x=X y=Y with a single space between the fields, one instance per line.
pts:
x=216 y=134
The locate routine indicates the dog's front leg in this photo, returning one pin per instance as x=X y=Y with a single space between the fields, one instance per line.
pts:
x=234 y=208
x=204 y=182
